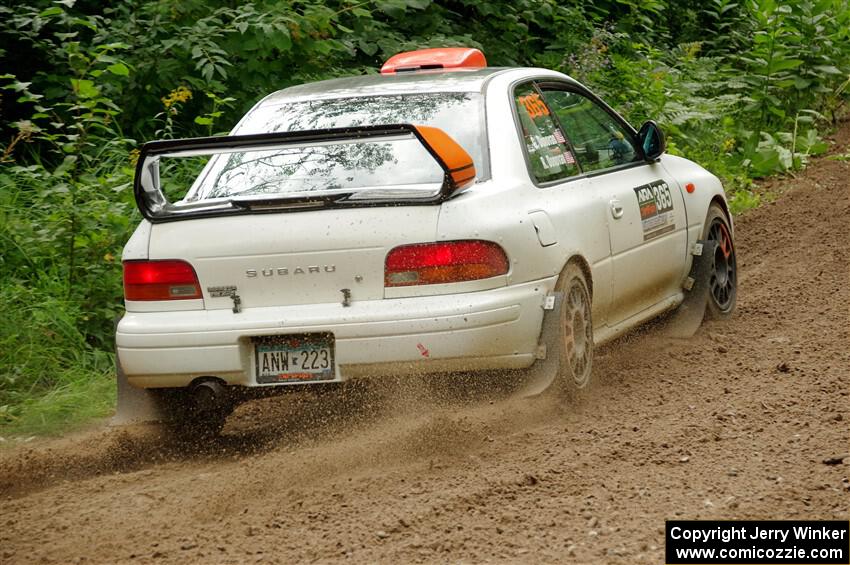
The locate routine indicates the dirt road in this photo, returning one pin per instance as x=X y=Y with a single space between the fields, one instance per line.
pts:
x=733 y=423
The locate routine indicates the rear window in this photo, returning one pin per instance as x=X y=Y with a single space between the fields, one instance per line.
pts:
x=396 y=166
x=459 y=114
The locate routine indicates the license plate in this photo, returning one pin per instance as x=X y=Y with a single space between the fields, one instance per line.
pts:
x=294 y=358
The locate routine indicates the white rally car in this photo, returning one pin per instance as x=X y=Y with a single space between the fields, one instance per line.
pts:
x=442 y=216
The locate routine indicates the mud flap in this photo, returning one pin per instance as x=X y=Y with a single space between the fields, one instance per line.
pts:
x=135 y=405
x=540 y=376
x=687 y=319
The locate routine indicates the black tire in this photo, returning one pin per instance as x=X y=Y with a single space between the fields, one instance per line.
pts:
x=187 y=419
x=723 y=274
x=576 y=365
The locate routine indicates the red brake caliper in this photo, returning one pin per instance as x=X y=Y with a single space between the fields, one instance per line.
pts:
x=725 y=241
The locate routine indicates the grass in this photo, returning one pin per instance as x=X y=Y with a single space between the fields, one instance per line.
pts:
x=743 y=200
x=80 y=397
x=51 y=380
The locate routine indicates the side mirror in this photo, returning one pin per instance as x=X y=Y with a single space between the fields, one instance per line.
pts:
x=652 y=140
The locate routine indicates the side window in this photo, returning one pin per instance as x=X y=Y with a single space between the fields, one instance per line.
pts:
x=600 y=141
x=548 y=151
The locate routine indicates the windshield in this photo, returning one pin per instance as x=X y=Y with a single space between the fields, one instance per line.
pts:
x=366 y=169
x=394 y=166
x=459 y=114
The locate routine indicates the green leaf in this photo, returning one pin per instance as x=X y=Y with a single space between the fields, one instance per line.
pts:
x=765 y=162
x=113 y=46
x=801 y=83
x=392 y=8
x=783 y=65
x=65 y=165
x=84 y=88
x=281 y=40
x=86 y=23
x=811 y=143
x=202 y=121
x=828 y=69
x=119 y=69
x=54 y=11
x=367 y=47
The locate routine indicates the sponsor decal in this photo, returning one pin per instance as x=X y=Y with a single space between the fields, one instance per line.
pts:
x=534 y=105
x=550 y=148
x=557 y=160
x=656 y=209
x=543 y=142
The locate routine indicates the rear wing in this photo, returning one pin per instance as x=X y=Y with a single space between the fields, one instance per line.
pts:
x=457 y=167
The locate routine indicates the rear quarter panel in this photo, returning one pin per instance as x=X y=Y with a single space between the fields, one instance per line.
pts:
x=498 y=210
x=138 y=245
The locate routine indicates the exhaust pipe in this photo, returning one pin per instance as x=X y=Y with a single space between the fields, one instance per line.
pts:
x=208 y=396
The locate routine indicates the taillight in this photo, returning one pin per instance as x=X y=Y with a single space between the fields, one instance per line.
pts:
x=160 y=280
x=445 y=262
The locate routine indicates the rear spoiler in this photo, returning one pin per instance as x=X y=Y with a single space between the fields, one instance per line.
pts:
x=154 y=205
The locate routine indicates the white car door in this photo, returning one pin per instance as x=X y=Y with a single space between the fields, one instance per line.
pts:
x=648 y=237
x=646 y=210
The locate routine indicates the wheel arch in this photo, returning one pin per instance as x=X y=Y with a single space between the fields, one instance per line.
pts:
x=582 y=264
x=720 y=201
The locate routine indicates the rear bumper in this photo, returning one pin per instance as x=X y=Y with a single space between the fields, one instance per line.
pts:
x=492 y=329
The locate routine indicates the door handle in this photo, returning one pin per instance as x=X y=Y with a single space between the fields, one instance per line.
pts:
x=616 y=209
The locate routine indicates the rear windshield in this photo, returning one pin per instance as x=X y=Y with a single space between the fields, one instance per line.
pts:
x=460 y=114
x=395 y=166
x=400 y=168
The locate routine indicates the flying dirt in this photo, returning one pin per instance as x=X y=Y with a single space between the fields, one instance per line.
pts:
x=748 y=419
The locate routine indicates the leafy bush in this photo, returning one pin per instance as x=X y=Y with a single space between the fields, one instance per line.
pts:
x=742 y=86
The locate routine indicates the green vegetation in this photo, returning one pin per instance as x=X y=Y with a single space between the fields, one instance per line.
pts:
x=744 y=87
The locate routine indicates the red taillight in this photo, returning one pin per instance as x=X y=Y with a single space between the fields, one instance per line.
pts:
x=448 y=262
x=160 y=280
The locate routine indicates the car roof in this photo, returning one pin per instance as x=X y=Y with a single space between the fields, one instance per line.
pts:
x=455 y=80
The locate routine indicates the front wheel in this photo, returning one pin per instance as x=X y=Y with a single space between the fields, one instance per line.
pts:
x=576 y=327
x=723 y=275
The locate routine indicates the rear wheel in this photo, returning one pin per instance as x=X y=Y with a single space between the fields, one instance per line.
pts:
x=576 y=330
x=194 y=413
x=723 y=275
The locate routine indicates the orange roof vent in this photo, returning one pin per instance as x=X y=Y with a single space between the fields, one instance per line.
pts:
x=441 y=58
